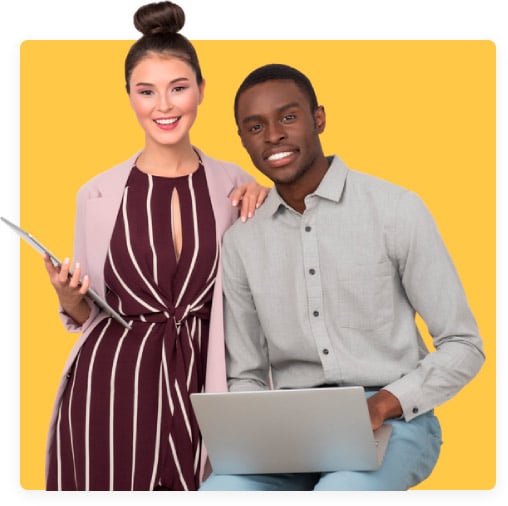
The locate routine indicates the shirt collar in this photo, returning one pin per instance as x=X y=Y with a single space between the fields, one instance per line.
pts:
x=331 y=188
x=332 y=184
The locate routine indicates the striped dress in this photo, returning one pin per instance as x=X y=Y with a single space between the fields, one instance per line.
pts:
x=125 y=421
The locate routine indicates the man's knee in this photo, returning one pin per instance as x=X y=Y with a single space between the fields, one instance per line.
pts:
x=260 y=482
x=217 y=482
x=356 y=480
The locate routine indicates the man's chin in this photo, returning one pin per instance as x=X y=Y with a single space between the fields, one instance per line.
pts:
x=288 y=180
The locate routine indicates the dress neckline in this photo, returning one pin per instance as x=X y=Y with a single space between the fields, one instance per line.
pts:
x=137 y=170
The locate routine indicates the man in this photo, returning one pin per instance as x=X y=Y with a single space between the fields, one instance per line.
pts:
x=322 y=286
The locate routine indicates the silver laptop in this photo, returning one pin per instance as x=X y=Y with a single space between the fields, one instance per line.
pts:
x=290 y=431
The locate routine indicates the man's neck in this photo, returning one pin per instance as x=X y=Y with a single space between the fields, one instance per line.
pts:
x=294 y=193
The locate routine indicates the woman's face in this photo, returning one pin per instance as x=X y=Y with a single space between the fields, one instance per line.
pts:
x=165 y=96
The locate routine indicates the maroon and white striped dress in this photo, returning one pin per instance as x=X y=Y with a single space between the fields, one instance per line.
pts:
x=125 y=421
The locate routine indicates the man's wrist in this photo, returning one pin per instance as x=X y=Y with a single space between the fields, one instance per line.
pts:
x=388 y=405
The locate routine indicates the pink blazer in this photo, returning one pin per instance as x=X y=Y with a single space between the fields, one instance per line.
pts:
x=97 y=206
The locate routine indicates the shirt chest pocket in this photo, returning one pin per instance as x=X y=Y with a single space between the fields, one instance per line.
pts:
x=363 y=295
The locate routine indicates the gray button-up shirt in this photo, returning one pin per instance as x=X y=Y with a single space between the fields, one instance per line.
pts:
x=329 y=296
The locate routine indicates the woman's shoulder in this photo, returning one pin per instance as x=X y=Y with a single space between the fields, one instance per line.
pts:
x=222 y=168
x=110 y=177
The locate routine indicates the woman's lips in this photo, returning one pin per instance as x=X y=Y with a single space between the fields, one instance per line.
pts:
x=167 y=123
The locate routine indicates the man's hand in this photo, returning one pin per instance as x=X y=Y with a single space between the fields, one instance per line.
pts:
x=383 y=405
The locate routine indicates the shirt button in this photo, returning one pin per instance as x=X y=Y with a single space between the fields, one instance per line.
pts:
x=316 y=313
x=325 y=351
x=308 y=229
x=312 y=272
x=415 y=410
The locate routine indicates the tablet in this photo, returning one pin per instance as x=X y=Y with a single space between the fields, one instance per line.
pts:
x=91 y=294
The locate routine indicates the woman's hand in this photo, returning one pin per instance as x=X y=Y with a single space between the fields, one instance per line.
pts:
x=69 y=289
x=248 y=196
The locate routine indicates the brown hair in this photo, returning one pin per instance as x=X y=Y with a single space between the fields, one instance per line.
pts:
x=160 y=22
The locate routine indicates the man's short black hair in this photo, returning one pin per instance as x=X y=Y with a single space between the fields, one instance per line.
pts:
x=277 y=72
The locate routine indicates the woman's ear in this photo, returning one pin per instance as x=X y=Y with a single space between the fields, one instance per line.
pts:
x=202 y=91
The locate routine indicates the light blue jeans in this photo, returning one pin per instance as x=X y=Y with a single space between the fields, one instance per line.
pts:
x=411 y=455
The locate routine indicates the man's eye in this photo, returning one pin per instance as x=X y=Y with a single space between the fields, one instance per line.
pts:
x=289 y=117
x=255 y=128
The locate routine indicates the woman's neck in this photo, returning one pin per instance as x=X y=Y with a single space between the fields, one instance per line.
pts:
x=168 y=161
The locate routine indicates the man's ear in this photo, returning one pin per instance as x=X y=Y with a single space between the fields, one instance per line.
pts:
x=320 y=119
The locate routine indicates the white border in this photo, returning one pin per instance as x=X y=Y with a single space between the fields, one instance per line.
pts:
x=223 y=19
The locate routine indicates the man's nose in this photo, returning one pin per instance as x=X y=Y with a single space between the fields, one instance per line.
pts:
x=275 y=133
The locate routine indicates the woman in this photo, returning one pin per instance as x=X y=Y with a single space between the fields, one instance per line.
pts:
x=148 y=236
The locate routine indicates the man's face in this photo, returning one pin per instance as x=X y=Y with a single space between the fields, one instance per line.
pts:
x=279 y=130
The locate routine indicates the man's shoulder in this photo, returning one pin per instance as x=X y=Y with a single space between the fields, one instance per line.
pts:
x=390 y=199
x=372 y=183
x=246 y=231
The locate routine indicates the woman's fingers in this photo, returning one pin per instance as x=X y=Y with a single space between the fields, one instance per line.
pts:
x=63 y=275
x=74 y=280
x=85 y=284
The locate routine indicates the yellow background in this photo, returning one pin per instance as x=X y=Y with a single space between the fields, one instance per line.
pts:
x=417 y=113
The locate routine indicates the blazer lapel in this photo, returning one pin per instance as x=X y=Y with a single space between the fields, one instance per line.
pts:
x=219 y=186
x=102 y=209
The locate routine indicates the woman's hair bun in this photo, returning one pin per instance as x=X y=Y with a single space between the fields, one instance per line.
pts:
x=159 y=17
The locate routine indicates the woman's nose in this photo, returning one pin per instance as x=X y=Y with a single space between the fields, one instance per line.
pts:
x=164 y=104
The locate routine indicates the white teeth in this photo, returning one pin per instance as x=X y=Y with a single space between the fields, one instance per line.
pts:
x=278 y=156
x=166 y=121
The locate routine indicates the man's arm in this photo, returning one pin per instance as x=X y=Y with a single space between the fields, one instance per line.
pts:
x=434 y=290
x=247 y=361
